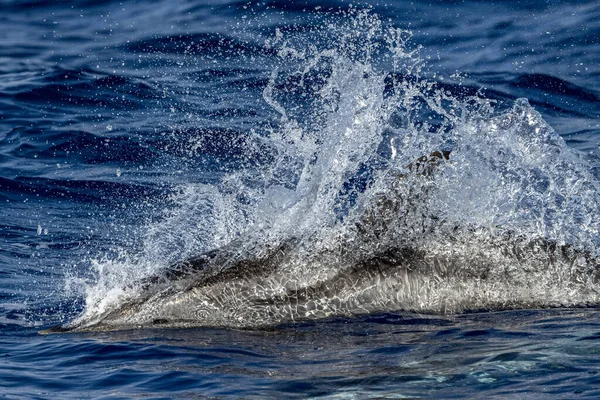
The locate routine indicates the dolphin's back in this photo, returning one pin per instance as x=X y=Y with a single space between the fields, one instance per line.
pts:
x=247 y=284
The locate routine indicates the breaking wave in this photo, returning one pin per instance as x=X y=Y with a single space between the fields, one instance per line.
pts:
x=332 y=209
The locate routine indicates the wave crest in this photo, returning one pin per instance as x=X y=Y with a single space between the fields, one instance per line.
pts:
x=335 y=220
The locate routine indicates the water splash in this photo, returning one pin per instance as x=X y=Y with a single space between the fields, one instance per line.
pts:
x=337 y=222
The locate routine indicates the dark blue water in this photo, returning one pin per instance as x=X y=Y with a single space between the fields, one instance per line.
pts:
x=108 y=108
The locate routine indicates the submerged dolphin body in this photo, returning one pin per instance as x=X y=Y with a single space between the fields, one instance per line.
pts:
x=265 y=284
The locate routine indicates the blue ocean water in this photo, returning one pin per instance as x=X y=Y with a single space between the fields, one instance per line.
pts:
x=125 y=127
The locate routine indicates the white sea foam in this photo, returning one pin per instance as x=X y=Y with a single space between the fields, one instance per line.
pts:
x=483 y=224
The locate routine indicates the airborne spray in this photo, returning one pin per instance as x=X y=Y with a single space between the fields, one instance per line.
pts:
x=335 y=221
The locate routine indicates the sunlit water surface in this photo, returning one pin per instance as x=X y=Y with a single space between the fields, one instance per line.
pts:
x=133 y=136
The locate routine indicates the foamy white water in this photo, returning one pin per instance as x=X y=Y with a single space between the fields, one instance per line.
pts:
x=510 y=220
